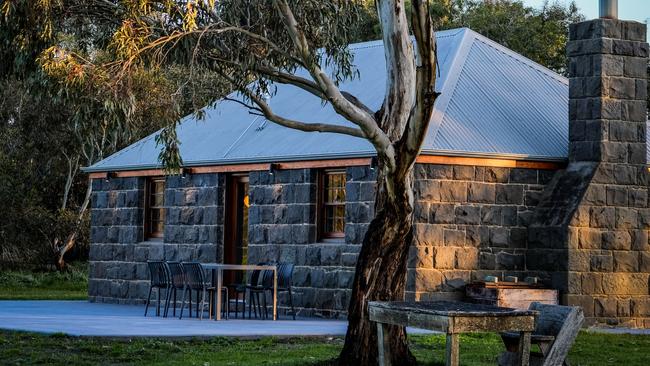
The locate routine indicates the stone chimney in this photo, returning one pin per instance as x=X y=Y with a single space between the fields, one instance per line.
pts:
x=589 y=234
x=608 y=61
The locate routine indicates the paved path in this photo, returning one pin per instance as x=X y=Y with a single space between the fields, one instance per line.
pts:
x=81 y=318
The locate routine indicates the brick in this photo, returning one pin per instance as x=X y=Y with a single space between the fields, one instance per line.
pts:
x=481 y=192
x=589 y=238
x=644 y=262
x=435 y=171
x=617 y=240
x=454 y=237
x=453 y=191
x=510 y=261
x=499 y=236
x=496 y=175
x=602 y=217
x=428 y=190
x=467 y=258
x=626 y=218
x=595 y=195
x=625 y=283
x=442 y=213
x=521 y=175
x=626 y=261
x=640 y=307
x=462 y=172
x=601 y=263
x=420 y=257
x=468 y=215
x=445 y=258
x=592 y=283
x=605 y=307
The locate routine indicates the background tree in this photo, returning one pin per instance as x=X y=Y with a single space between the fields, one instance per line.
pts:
x=254 y=45
x=56 y=116
x=537 y=33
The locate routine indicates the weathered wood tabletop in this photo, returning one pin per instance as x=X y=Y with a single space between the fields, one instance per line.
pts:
x=453 y=318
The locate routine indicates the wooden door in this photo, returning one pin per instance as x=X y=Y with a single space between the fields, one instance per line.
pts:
x=236 y=221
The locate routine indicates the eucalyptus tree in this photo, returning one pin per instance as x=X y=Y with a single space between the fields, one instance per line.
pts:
x=254 y=45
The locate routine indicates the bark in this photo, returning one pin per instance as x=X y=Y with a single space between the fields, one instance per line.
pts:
x=384 y=251
x=71 y=239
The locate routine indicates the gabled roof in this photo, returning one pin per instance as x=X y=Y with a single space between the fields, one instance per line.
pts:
x=494 y=103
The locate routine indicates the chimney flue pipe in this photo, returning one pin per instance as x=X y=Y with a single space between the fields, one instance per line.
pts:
x=609 y=9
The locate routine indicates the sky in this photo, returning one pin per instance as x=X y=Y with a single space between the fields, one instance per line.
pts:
x=638 y=10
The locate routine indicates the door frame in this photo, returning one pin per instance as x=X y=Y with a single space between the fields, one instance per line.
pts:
x=231 y=220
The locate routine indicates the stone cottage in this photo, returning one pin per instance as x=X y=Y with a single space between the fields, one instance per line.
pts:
x=523 y=172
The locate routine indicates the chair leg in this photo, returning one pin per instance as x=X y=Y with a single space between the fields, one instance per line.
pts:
x=168 y=297
x=202 y=302
x=148 y=300
x=250 y=303
x=183 y=301
x=158 y=304
x=266 y=309
x=174 y=301
x=236 y=304
x=293 y=311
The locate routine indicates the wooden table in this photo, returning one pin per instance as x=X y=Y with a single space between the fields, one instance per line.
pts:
x=452 y=318
x=217 y=280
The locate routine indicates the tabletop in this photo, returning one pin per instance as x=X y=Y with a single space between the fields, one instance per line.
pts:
x=451 y=308
x=238 y=266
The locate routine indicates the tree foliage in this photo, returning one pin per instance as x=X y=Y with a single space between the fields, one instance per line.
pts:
x=537 y=33
x=60 y=112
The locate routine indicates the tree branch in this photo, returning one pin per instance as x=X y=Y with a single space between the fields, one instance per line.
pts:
x=359 y=116
x=426 y=74
x=286 y=122
x=400 y=68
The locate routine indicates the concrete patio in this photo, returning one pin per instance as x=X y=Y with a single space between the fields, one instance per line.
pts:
x=82 y=318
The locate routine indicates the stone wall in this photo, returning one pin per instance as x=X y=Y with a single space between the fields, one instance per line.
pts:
x=119 y=251
x=590 y=231
x=282 y=219
x=470 y=222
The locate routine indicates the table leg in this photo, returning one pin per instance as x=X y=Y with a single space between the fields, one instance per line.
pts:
x=217 y=315
x=213 y=305
x=383 y=345
x=524 y=348
x=452 y=349
x=275 y=294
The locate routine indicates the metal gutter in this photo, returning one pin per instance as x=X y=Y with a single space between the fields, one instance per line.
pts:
x=361 y=154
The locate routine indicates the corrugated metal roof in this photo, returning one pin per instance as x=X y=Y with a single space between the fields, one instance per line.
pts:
x=494 y=102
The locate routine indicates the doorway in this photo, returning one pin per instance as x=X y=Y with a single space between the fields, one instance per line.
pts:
x=236 y=226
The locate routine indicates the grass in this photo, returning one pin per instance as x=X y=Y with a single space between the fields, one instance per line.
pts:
x=20 y=348
x=27 y=285
x=17 y=348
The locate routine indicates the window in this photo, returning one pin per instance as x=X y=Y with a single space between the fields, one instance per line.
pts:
x=332 y=211
x=154 y=209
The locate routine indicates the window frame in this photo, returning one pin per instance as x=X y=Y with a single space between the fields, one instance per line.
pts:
x=322 y=204
x=148 y=233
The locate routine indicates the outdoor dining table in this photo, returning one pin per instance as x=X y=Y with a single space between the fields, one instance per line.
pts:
x=217 y=280
x=452 y=318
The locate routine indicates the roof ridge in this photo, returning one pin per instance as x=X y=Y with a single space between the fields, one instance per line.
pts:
x=451 y=81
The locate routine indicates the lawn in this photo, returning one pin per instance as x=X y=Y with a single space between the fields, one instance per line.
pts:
x=18 y=348
x=27 y=285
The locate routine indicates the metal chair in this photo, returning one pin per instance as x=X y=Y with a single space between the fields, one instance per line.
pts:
x=255 y=284
x=160 y=279
x=285 y=275
x=177 y=279
x=195 y=279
